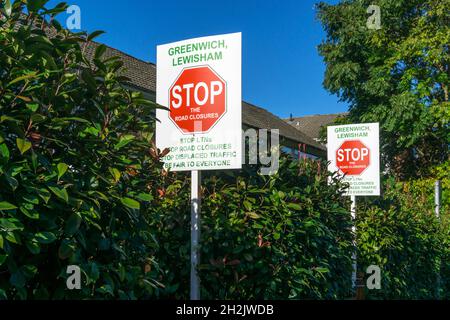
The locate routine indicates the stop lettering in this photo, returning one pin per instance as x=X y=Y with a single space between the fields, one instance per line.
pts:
x=200 y=93
x=197 y=99
x=352 y=157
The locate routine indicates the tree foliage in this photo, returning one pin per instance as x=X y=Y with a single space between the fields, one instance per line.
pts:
x=397 y=75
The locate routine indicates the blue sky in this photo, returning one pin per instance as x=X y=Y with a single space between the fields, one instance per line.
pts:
x=282 y=71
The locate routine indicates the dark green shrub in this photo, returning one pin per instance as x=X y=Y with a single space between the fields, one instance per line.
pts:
x=400 y=233
x=74 y=166
x=263 y=237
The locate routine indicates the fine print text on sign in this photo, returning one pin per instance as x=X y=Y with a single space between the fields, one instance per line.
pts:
x=353 y=150
x=199 y=81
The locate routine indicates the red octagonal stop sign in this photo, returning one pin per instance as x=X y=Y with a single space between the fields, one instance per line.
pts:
x=197 y=99
x=352 y=157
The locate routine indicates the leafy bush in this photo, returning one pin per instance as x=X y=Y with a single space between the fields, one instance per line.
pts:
x=263 y=237
x=400 y=233
x=74 y=166
x=288 y=236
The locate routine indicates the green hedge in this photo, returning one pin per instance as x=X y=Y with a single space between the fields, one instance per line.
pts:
x=74 y=166
x=278 y=237
x=304 y=251
x=400 y=233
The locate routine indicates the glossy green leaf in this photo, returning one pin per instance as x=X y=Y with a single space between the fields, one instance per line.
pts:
x=73 y=224
x=247 y=205
x=253 y=215
x=4 y=152
x=13 y=237
x=322 y=270
x=23 y=145
x=33 y=106
x=30 y=213
x=145 y=197
x=23 y=77
x=29 y=270
x=31 y=198
x=7 y=7
x=123 y=141
x=60 y=193
x=44 y=194
x=34 y=160
x=294 y=206
x=33 y=246
x=115 y=173
x=7 y=206
x=100 y=51
x=13 y=183
x=130 y=203
x=45 y=237
x=62 y=169
x=69 y=119
x=94 y=35
x=66 y=249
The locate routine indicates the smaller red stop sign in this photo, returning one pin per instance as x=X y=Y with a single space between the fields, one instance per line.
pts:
x=197 y=99
x=352 y=157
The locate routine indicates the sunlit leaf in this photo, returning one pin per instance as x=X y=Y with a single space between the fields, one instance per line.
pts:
x=60 y=193
x=7 y=206
x=130 y=203
x=62 y=169
x=23 y=145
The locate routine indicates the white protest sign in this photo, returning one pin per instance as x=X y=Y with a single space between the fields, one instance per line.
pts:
x=354 y=150
x=199 y=81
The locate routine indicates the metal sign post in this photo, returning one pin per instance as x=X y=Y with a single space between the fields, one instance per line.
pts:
x=199 y=81
x=437 y=208
x=353 y=213
x=354 y=151
x=195 y=233
x=437 y=198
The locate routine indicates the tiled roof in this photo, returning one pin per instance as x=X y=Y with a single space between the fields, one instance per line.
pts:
x=257 y=117
x=142 y=77
x=311 y=125
x=142 y=74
